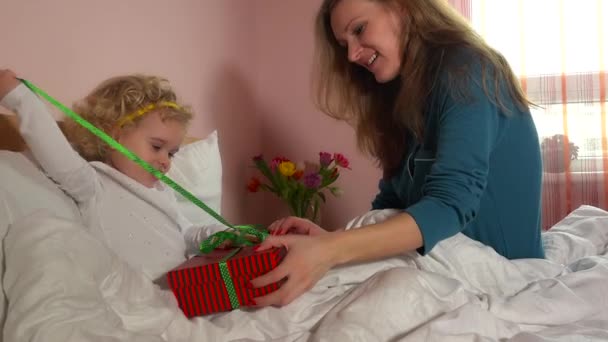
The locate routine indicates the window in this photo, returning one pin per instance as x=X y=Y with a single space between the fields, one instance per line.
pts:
x=558 y=48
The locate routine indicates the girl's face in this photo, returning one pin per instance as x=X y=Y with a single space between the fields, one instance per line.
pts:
x=153 y=140
x=371 y=33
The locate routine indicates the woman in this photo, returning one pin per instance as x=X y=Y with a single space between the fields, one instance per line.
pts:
x=444 y=116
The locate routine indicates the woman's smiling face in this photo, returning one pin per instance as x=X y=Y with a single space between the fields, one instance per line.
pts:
x=371 y=33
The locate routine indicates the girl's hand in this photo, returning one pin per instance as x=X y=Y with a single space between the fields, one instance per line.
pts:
x=295 y=225
x=228 y=243
x=8 y=82
x=308 y=259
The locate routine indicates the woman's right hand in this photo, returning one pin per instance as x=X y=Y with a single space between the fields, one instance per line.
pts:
x=307 y=260
x=8 y=82
x=295 y=225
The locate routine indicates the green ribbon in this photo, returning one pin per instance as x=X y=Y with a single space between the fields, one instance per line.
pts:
x=228 y=281
x=238 y=233
x=238 y=240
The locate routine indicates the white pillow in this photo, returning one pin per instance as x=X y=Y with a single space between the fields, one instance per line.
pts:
x=197 y=167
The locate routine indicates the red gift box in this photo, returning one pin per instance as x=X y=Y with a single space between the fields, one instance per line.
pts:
x=200 y=289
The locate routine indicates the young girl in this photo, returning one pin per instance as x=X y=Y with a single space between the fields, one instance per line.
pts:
x=120 y=202
x=444 y=116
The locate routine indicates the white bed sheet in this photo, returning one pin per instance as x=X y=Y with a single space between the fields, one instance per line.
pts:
x=62 y=285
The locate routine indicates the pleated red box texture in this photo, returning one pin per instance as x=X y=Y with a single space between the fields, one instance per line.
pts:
x=199 y=287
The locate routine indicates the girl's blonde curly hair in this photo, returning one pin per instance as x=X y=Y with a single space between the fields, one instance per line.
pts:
x=112 y=101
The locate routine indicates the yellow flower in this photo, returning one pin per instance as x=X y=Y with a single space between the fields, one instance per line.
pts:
x=287 y=168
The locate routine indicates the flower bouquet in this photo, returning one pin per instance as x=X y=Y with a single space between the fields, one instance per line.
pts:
x=301 y=188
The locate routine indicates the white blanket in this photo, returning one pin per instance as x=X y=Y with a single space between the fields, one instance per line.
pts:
x=63 y=285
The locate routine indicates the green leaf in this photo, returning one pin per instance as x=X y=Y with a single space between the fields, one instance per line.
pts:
x=268 y=188
x=315 y=210
x=322 y=197
x=267 y=172
x=335 y=190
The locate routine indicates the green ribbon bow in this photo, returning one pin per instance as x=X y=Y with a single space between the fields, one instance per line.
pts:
x=237 y=235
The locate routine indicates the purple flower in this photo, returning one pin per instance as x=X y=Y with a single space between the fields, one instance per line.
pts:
x=325 y=158
x=312 y=180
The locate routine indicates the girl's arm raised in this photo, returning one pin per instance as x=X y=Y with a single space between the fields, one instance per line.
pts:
x=46 y=141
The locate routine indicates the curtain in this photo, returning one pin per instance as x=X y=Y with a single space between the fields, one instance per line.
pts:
x=558 y=50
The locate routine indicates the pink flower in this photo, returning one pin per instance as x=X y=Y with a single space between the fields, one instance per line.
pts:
x=276 y=162
x=325 y=158
x=341 y=160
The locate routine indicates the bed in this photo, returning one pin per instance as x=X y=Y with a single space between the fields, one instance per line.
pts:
x=60 y=284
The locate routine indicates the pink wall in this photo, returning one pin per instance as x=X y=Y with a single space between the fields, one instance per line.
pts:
x=243 y=65
x=290 y=125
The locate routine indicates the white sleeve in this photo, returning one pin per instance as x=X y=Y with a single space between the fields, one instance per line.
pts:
x=49 y=146
x=193 y=236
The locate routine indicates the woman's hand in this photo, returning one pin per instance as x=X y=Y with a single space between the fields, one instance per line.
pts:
x=8 y=82
x=311 y=254
x=295 y=225
x=308 y=259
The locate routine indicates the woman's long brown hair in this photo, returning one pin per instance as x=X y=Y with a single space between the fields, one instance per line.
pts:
x=385 y=115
